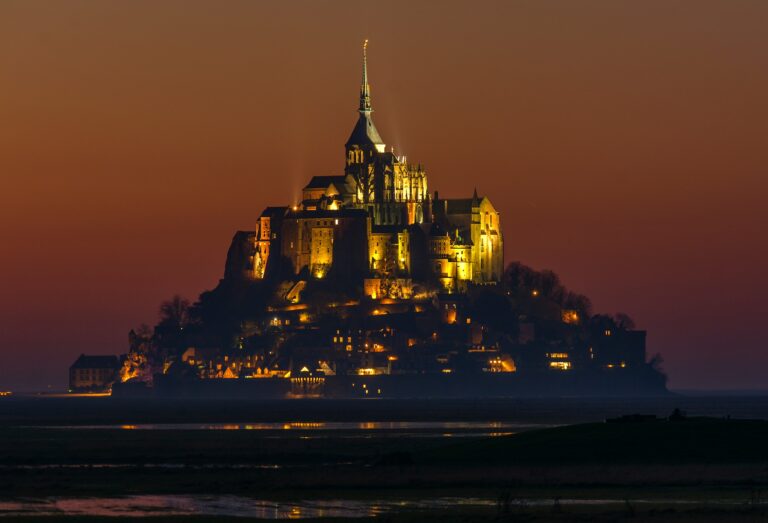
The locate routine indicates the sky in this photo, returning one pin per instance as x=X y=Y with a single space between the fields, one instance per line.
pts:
x=624 y=143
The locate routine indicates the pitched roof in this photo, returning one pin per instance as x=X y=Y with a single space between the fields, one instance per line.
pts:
x=461 y=205
x=364 y=132
x=322 y=182
x=96 y=362
x=274 y=211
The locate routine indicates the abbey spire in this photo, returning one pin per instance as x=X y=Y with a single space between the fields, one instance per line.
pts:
x=364 y=135
x=365 y=89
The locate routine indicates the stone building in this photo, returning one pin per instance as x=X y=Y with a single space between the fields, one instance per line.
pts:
x=93 y=373
x=376 y=222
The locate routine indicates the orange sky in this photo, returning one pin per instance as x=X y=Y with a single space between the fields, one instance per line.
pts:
x=625 y=144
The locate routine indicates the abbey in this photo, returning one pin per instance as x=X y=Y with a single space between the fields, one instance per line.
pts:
x=373 y=286
x=376 y=222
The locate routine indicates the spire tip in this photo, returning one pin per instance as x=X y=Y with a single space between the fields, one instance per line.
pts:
x=365 y=89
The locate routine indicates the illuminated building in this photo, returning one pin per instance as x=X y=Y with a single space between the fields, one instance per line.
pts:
x=368 y=285
x=559 y=360
x=377 y=223
x=93 y=373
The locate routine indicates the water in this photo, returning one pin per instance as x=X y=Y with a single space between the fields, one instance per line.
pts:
x=239 y=506
x=233 y=506
x=150 y=466
x=339 y=429
x=165 y=412
x=320 y=425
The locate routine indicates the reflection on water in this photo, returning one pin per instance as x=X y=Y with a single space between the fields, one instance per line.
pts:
x=446 y=427
x=88 y=466
x=237 y=506
x=234 y=506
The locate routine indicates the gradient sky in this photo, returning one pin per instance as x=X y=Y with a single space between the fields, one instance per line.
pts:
x=625 y=143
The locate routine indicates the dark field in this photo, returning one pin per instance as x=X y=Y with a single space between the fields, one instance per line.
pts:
x=693 y=470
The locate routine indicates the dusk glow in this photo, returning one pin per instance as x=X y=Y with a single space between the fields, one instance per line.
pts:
x=625 y=146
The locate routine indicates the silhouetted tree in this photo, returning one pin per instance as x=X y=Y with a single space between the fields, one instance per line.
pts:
x=175 y=312
x=578 y=302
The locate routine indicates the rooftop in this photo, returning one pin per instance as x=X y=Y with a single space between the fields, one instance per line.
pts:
x=96 y=362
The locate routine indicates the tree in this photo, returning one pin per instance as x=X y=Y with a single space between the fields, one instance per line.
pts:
x=175 y=312
x=174 y=317
x=579 y=303
x=140 y=339
x=549 y=285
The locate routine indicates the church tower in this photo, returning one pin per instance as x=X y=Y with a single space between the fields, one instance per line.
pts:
x=378 y=221
x=391 y=190
x=364 y=143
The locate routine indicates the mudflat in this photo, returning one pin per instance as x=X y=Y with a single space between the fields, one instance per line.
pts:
x=524 y=469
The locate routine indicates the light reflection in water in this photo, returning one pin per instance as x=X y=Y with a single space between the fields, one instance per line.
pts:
x=447 y=427
x=234 y=506
x=237 y=506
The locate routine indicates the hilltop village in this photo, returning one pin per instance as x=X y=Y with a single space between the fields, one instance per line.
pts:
x=374 y=286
